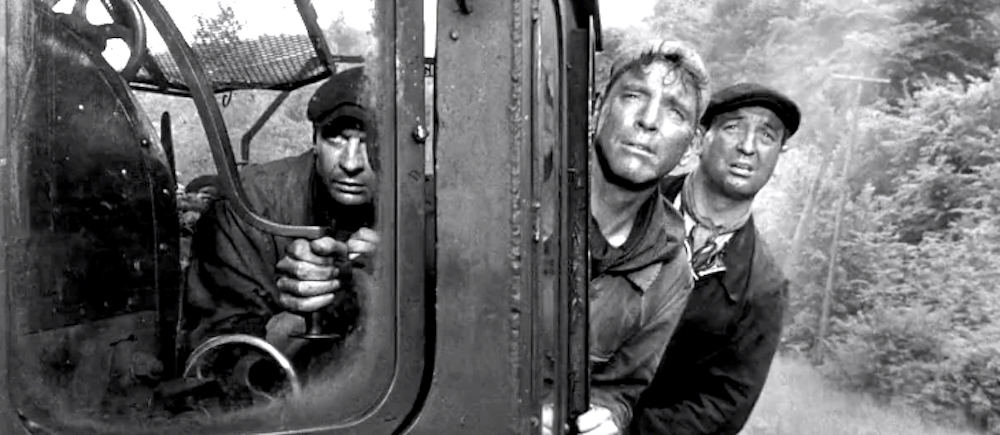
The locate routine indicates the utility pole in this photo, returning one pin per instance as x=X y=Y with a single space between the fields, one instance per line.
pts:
x=844 y=191
x=805 y=218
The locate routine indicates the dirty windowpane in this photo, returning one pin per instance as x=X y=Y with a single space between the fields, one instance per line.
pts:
x=148 y=300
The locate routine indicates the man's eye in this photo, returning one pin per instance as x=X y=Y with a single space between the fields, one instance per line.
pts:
x=677 y=113
x=770 y=137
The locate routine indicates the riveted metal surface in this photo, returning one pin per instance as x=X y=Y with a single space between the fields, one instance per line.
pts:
x=484 y=362
x=522 y=258
x=475 y=387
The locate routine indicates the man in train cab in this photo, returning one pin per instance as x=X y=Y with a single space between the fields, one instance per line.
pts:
x=640 y=276
x=242 y=280
x=714 y=368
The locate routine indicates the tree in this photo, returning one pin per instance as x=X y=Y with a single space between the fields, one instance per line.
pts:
x=961 y=40
x=222 y=28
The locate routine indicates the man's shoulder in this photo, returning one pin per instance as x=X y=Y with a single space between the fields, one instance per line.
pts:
x=282 y=175
x=766 y=275
x=672 y=274
x=287 y=168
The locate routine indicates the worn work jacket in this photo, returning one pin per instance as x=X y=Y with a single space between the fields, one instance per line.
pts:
x=232 y=280
x=637 y=295
x=715 y=366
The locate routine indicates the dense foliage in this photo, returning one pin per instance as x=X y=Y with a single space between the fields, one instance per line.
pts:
x=907 y=164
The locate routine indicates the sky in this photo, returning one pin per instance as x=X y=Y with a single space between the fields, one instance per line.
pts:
x=621 y=13
x=282 y=17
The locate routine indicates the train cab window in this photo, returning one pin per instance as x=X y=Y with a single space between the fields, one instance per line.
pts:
x=299 y=302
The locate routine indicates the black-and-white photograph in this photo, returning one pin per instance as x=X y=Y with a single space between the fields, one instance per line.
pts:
x=544 y=217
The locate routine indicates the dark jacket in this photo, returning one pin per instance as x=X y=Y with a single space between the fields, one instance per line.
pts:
x=715 y=366
x=637 y=295
x=232 y=281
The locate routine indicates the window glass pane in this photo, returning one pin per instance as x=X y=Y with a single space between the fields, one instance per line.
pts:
x=149 y=301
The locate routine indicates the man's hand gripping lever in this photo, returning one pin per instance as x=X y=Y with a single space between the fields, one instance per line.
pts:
x=314 y=270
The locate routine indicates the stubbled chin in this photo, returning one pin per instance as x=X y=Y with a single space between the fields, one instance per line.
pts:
x=739 y=187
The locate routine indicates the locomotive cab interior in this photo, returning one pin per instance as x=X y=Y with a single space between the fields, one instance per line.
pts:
x=95 y=253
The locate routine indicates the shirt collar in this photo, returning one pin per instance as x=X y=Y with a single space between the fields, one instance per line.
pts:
x=666 y=218
x=717 y=263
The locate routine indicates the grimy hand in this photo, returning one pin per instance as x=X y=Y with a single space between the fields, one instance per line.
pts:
x=308 y=274
x=362 y=243
x=596 y=421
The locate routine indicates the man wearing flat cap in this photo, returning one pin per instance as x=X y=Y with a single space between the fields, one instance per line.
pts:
x=716 y=363
x=242 y=280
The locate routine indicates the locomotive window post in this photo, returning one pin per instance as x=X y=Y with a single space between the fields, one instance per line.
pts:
x=564 y=44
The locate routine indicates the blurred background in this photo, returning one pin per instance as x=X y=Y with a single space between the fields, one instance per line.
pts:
x=883 y=211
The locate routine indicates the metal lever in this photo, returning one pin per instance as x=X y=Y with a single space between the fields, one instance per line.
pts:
x=200 y=88
x=313 y=330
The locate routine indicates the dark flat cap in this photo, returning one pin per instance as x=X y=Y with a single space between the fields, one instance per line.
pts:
x=202 y=181
x=343 y=94
x=751 y=94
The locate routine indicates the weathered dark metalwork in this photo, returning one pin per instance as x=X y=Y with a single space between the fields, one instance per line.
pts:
x=89 y=223
x=308 y=14
x=579 y=63
x=167 y=139
x=458 y=340
x=215 y=126
x=127 y=24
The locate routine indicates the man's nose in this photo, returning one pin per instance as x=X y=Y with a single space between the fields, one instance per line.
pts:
x=649 y=117
x=746 y=144
x=353 y=159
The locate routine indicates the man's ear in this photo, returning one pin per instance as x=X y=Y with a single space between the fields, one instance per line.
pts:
x=595 y=109
x=694 y=148
x=784 y=141
x=699 y=141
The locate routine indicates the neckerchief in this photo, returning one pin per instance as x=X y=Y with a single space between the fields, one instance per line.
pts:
x=706 y=239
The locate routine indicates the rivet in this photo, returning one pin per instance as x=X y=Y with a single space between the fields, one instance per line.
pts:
x=420 y=133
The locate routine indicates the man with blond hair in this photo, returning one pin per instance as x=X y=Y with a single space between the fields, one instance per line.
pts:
x=640 y=276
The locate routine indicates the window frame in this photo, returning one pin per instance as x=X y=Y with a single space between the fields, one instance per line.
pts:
x=407 y=310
